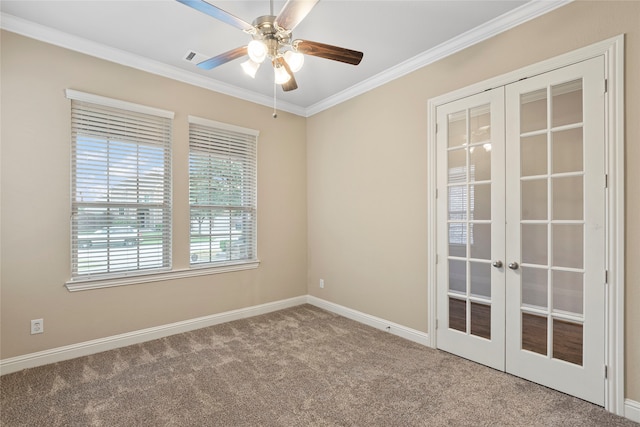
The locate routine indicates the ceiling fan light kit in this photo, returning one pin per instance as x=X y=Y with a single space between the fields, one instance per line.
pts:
x=294 y=59
x=257 y=51
x=250 y=67
x=272 y=39
x=281 y=75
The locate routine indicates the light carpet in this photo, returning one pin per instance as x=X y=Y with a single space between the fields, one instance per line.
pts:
x=301 y=366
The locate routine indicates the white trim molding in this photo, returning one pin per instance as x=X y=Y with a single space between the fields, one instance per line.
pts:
x=502 y=23
x=613 y=51
x=632 y=410
x=511 y=19
x=86 y=348
x=68 y=41
x=75 y=285
x=219 y=125
x=117 y=103
x=373 y=321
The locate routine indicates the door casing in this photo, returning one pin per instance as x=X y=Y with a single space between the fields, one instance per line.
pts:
x=613 y=52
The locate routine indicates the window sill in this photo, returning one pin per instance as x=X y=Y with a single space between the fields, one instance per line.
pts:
x=99 y=283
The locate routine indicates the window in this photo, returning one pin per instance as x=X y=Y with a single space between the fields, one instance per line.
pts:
x=222 y=193
x=121 y=188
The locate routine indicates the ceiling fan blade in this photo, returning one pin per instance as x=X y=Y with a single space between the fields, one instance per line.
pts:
x=291 y=84
x=223 y=58
x=293 y=13
x=327 y=51
x=218 y=13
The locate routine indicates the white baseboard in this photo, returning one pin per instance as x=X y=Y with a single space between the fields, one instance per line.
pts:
x=18 y=363
x=373 y=321
x=632 y=410
x=86 y=348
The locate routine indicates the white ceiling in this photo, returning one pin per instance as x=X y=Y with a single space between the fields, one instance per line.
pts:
x=155 y=35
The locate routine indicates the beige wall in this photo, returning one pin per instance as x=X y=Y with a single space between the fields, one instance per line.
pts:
x=367 y=170
x=356 y=191
x=35 y=202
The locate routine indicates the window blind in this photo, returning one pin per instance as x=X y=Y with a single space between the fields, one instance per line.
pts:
x=121 y=188
x=222 y=193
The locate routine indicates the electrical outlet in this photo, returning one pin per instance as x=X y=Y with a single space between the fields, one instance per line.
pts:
x=322 y=283
x=37 y=326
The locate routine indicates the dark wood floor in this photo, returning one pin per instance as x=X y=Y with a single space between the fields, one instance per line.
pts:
x=567 y=336
x=480 y=317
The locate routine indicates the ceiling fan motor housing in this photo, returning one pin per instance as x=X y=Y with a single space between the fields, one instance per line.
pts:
x=270 y=35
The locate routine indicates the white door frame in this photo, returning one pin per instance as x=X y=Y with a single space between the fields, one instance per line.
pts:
x=613 y=51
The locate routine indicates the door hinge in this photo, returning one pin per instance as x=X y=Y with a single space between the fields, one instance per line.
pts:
x=606 y=181
x=436 y=323
x=606 y=85
x=606 y=372
x=436 y=128
x=606 y=277
x=436 y=258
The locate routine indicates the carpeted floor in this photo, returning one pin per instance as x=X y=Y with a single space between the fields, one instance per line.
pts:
x=297 y=367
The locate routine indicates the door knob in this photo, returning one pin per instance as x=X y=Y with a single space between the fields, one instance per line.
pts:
x=513 y=265
x=497 y=264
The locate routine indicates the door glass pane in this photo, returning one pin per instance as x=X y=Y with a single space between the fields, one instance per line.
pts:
x=458 y=276
x=534 y=287
x=480 y=201
x=567 y=151
x=480 y=279
x=458 y=314
x=534 y=244
x=534 y=199
x=480 y=236
x=568 y=291
x=457 y=129
x=480 y=124
x=458 y=239
x=533 y=111
x=481 y=320
x=458 y=202
x=567 y=341
x=480 y=163
x=568 y=197
x=457 y=166
x=534 y=333
x=533 y=155
x=566 y=104
x=567 y=245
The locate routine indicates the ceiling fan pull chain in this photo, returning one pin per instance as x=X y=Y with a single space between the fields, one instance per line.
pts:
x=275 y=113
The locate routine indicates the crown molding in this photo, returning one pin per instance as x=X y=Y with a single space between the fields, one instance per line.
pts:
x=502 y=23
x=520 y=15
x=59 y=38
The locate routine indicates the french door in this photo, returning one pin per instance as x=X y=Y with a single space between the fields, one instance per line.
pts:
x=521 y=229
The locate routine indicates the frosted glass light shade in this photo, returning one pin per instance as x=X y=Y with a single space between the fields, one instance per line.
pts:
x=294 y=59
x=257 y=51
x=250 y=68
x=281 y=75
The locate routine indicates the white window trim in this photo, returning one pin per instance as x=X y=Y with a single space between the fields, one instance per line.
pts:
x=125 y=277
x=234 y=265
x=225 y=126
x=116 y=103
x=134 y=279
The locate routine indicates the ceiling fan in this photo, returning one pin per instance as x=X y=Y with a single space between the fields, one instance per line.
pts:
x=272 y=39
